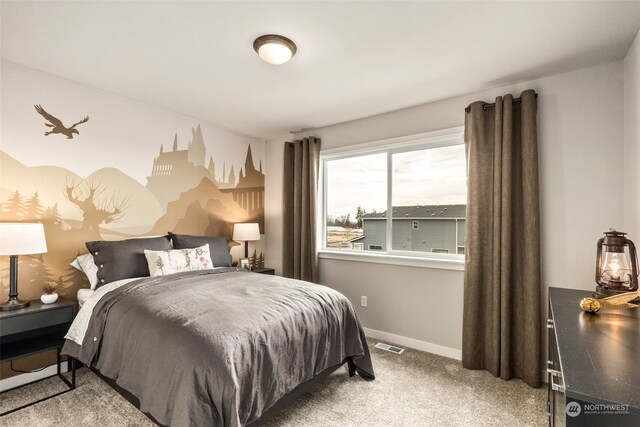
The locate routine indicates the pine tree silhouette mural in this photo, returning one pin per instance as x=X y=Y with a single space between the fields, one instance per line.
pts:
x=4 y=277
x=33 y=210
x=14 y=209
x=37 y=272
x=52 y=216
x=59 y=284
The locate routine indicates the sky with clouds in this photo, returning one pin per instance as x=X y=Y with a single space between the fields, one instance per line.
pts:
x=435 y=176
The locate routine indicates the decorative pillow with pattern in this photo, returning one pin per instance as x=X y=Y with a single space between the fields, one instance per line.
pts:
x=162 y=263
x=218 y=248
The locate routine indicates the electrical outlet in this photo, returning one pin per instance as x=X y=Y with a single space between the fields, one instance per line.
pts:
x=363 y=300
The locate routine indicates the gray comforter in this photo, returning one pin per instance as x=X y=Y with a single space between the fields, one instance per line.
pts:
x=219 y=347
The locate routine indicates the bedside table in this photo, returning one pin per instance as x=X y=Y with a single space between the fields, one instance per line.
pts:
x=34 y=329
x=271 y=271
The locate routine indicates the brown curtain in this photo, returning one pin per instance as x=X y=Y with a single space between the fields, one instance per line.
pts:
x=501 y=321
x=300 y=258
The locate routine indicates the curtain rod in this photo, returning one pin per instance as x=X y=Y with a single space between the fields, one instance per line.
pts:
x=493 y=104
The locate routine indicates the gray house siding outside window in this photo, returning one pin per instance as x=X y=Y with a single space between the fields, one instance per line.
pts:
x=439 y=229
x=377 y=229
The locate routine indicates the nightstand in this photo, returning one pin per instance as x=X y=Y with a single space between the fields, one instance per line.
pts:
x=34 y=329
x=271 y=271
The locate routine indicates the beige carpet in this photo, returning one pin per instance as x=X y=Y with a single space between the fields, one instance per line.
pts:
x=411 y=389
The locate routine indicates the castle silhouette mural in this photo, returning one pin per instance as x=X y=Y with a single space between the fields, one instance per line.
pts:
x=185 y=192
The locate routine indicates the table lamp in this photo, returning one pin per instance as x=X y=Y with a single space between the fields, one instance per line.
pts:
x=248 y=231
x=19 y=238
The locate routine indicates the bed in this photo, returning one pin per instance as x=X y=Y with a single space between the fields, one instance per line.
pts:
x=221 y=346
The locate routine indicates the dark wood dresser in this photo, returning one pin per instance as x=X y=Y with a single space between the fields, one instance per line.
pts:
x=594 y=363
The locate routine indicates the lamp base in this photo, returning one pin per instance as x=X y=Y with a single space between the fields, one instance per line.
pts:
x=13 y=304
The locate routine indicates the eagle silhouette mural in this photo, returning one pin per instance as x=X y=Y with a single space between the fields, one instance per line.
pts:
x=56 y=124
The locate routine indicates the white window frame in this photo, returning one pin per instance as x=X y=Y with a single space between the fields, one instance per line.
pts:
x=435 y=139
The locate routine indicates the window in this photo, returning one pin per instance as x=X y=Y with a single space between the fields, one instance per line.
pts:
x=355 y=185
x=405 y=196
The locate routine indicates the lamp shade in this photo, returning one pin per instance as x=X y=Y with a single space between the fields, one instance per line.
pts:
x=22 y=238
x=246 y=231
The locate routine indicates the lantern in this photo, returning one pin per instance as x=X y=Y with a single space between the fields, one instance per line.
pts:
x=617 y=265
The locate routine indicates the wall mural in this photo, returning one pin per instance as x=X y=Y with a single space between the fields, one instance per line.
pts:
x=182 y=194
x=133 y=170
x=56 y=125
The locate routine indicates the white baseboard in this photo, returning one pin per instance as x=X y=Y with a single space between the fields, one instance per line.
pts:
x=415 y=344
x=18 y=380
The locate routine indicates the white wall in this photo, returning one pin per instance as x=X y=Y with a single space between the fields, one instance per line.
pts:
x=632 y=140
x=120 y=133
x=580 y=125
x=274 y=158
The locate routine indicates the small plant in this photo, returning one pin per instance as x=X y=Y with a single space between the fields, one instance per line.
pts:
x=49 y=289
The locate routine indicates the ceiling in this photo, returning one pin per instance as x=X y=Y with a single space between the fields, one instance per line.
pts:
x=355 y=59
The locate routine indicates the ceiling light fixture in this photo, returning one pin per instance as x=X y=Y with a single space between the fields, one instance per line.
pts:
x=274 y=49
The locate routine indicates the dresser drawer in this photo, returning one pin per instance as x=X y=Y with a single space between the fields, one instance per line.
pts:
x=37 y=320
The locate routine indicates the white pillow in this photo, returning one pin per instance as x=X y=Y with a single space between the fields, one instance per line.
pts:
x=176 y=260
x=84 y=295
x=86 y=264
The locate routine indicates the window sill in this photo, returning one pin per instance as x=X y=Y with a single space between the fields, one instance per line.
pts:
x=410 y=261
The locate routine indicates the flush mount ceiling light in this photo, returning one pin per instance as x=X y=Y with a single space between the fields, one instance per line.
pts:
x=274 y=49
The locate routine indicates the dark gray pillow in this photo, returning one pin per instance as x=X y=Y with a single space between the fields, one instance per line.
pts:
x=218 y=248
x=125 y=258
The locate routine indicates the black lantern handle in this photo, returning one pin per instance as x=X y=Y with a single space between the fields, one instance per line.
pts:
x=634 y=265
x=599 y=260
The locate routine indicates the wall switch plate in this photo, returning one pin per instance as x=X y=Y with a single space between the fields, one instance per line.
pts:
x=363 y=300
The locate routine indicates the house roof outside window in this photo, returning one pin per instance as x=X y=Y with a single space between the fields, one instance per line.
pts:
x=422 y=212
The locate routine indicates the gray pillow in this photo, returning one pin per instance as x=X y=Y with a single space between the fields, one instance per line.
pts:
x=218 y=248
x=125 y=258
